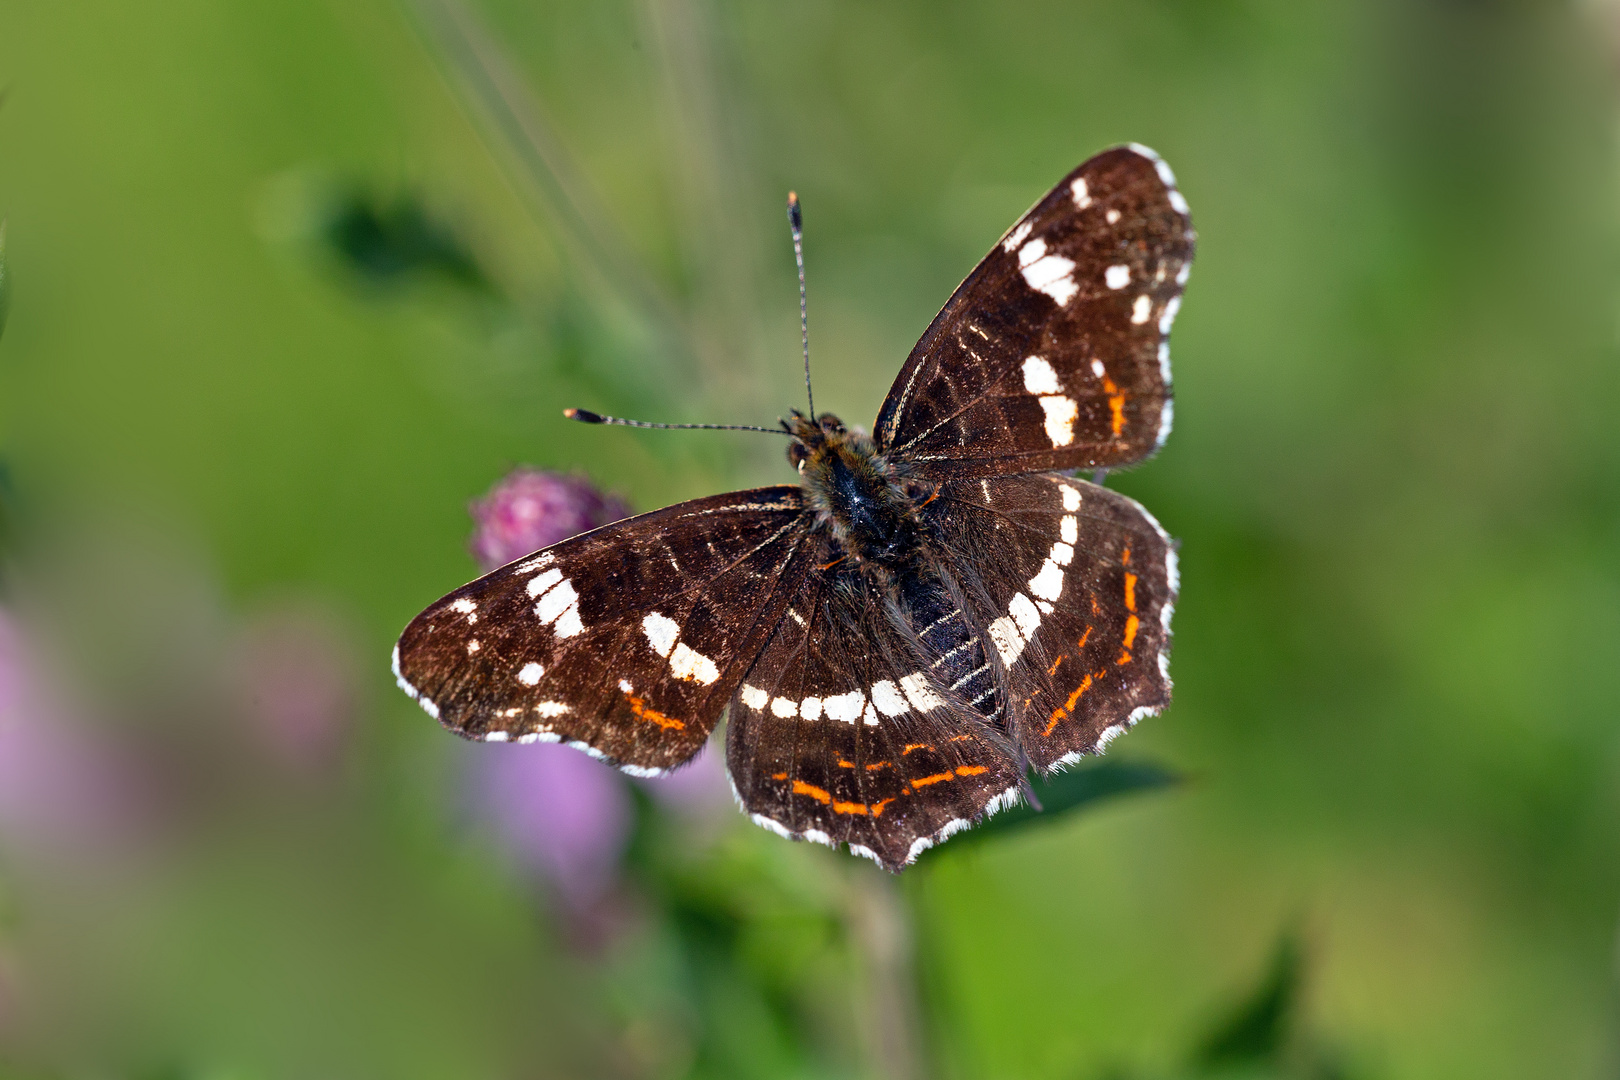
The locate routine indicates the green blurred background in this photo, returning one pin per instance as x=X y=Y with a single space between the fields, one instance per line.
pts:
x=1395 y=475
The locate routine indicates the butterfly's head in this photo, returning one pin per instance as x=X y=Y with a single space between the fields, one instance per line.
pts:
x=811 y=437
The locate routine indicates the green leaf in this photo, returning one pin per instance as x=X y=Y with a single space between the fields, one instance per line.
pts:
x=1258 y=1030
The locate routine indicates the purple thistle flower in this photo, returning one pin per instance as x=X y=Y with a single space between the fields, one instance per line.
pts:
x=560 y=813
x=531 y=509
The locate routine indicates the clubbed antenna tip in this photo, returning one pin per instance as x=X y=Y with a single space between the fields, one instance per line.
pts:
x=796 y=226
x=584 y=416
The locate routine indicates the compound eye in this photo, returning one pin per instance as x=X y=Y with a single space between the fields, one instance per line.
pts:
x=797 y=455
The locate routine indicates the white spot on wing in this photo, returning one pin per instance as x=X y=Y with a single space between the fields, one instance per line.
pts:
x=810 y=708
x=626 y=687
x=1008 y=642
x=1005 y=801
x=1024 y=614
x=1117 y=276
x=1112 y=216
x=555 y=601
x=923 y=843
x=1071 y=498
x=754 y=697
x=865 y=852
x=530 y=674
x=888 y=699
x=693 y=666
x=542 y=582
x=1165 y=418
x=1069 y=529
x=784 y=708
x=766 y=823
x=845 y=707
x=1039 y=378
x=1098 y=370
x=1045 y=273
x=531 y=565
x=496 y=736
x=569 y=625
x=1048 y=584
x=919 y=693
x=464 y=605
x=552 y=709
x=1169 y=315
x=661 y=632
x=1062 y=553
x=1060 y=415
x=1177 y=201
x=1164 y=362
x=1016 y=237
x=1082 y=195
x=1142 y=310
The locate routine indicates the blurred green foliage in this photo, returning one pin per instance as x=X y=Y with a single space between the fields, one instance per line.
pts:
x=1393 y=476
x=5 y=281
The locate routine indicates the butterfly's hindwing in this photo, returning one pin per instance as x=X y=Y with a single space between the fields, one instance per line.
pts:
x=847 y=729
x=1085 y=581
x=627 y=641
x=1054 y=353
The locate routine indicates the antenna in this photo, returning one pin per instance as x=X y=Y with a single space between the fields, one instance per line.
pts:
x=585 y=416
x=796 y=223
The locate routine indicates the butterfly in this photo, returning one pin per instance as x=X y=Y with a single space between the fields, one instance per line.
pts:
x=932 y=611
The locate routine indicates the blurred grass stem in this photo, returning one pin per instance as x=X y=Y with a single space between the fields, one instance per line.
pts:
x=512 y=118
x=880 y=930
x=720 y=249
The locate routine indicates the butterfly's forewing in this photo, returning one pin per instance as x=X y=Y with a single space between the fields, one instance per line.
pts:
x=624 y=641
x=1084 y=581
x=846 y=731
x=1054 y=353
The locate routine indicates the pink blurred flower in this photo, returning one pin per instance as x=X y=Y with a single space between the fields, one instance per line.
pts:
x=531 y=509
x=698 y=790
x=294 y=671
x=560 y=813
x=58 y=787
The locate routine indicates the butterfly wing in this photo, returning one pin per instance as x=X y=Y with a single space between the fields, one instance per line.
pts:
x=1054 y=353
x=847 y=729
x=1084 y=581
x=626 y=641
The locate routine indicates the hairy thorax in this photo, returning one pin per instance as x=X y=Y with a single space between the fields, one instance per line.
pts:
x=867 y=508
